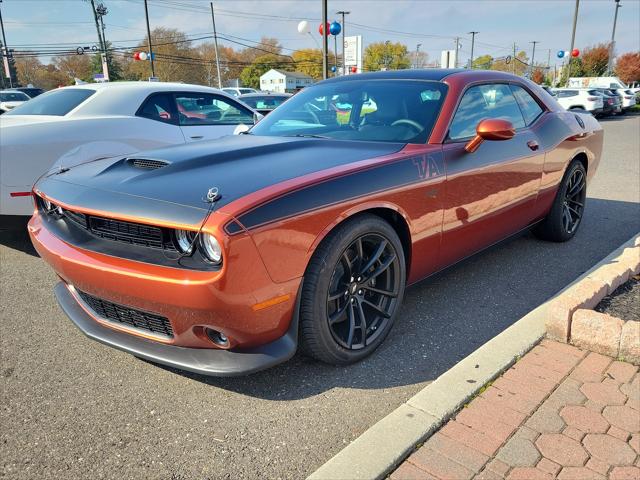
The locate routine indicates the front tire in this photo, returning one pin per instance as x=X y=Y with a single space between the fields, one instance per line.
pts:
x=353 y=289
x=565 y=216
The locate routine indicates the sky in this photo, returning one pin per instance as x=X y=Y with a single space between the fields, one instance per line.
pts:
x=32 y=24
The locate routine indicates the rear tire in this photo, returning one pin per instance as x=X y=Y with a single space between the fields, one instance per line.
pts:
x=352 y=292
x=564 y=218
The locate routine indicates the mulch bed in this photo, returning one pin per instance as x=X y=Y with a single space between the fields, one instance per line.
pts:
x=624 y=302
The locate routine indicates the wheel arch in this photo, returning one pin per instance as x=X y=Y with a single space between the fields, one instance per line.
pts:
x=389 y=212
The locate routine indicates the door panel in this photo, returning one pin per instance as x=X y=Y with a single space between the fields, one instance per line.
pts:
x=490 y=193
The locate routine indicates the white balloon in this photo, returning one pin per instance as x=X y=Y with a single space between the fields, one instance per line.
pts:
x=303 y=27
x=143 y=56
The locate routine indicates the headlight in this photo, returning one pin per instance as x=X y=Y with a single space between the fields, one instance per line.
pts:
x=184 y=239
x=211 y=248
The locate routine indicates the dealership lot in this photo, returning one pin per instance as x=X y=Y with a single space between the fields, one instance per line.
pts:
x=72 y=407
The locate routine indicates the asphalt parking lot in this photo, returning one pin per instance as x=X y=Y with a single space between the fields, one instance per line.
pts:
x=72 y=408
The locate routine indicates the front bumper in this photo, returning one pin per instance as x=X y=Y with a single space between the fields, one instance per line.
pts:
x=203 y=361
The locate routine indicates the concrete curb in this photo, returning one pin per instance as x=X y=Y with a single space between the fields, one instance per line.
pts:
x=383 y=446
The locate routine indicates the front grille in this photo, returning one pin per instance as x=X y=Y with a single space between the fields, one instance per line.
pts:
x=116 y=230
x=129 y=232
x=128 y=316
x=147 y=164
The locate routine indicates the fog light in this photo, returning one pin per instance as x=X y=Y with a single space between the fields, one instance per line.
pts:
x=218 y=338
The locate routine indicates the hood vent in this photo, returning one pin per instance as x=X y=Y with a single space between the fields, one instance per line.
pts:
x=147 y=163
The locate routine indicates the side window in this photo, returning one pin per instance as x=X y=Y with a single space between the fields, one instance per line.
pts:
x=160 y=107
x=481 y=102
x=207 y=109
x=530 y=108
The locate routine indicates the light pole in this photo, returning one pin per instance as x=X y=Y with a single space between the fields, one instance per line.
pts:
x=613 y=35
x=533 y=56
x=215 y=46
x=455 y=63
x=101 y=11
x=325 y=40
x=5 y=60
x=473 y=41
x=146 y=14
x=573 y=38
x=344 y=66
x=417 y=53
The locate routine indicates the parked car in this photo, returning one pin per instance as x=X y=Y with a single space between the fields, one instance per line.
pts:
x=82 y=123
x=549 y=90
x=608 y=103
x=628 y=98
x=10 y=99
x=585 y=99
x=264 y=102
x=32 y=92
x=237 y=91
x=612 y=98
x=219 y=257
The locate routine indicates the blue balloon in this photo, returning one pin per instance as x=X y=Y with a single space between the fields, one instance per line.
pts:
x=335 y=28
x=333 y=69
x=560 y=53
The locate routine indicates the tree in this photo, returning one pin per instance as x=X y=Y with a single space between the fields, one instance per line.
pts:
x=576 y=70
x=387 y=55
x=595 y=60
x=483 y=62
x=628 y=67
x=176 y=60
x=74 y=66
x=250 y=75
x=518 y=66
x=537 y=76
x=28 y=69
x=309 y=61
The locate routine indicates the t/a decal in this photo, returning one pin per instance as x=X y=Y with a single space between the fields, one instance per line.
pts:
x=429 y=166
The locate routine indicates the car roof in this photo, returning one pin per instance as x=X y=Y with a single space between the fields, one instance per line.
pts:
x=142 y=86
x=436 y=74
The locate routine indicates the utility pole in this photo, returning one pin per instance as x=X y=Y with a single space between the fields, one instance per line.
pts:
x=533 y=53
x=455 y=63
x=613 y=36
x=101 y=11
x=215 y=45
x=146 y=14
x=417 y=53
x=5 y=60
x=325 y=44
x=95 y=17
x=473 y=41
x=513 y=59
x=573 y=38
x=344 y=66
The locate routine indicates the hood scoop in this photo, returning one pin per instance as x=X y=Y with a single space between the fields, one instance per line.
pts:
x=147 y=163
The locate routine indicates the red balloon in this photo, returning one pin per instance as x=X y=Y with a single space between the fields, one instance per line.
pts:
x=575 y=52
x=321 y=30
x=136 y=56
x=354 y=69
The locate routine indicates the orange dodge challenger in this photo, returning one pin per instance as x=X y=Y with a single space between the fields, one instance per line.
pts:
x=222 y=257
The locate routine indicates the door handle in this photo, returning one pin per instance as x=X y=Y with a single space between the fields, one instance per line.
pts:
x=196 y=137
x=533 y=145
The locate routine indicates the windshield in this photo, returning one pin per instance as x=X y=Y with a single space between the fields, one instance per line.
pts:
x=13 y=97
x=268 y=102
x=56 y=102
x=373 y=110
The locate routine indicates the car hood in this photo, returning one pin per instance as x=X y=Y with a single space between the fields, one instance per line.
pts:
x=235 y=165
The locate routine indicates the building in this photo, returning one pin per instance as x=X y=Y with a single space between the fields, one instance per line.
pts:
x=281 y=81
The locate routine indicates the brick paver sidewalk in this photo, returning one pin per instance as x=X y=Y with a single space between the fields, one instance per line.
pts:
x=559 y=412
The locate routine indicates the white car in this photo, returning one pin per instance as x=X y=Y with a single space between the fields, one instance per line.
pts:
x=77 y=124
x=586 y=99
x=237 y=91
x=628 y=97
x=10 y=99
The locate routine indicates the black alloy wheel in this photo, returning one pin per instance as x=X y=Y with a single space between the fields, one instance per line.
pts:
x=567 y=211
x=363 y=291
x=352 y=291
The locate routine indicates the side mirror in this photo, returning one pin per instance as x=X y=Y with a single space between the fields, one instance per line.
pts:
x=490 y=129
x=257 y=117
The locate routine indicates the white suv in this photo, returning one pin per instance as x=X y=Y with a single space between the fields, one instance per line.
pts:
x=586 y=99
x=628 y=97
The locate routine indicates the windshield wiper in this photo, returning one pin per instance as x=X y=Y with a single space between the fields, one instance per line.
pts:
x=307 y=135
